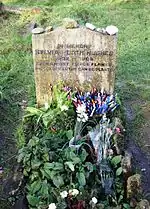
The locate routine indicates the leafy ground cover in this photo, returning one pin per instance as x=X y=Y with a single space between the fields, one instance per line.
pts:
x=16 y=65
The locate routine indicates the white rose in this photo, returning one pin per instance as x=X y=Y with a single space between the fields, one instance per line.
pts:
x=63 y=194
x=94 y=200
x=74 y=192
x=52 y=206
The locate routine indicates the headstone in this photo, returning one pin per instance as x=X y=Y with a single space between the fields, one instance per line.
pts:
x=80 y=57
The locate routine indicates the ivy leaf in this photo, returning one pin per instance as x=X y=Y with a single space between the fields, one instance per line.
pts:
x=58 y=166
x=44 y=189
x=48 y=165
x=76 y=160
x=21 y=156
x=126 y=206
x=83 y=155
x=33 y=201
x=116 y=160
x=58 y=181
x=70 y=165
x=35 y=186
x=119 y=171
x=35 y=164
x=81 y=179
x=69 y=134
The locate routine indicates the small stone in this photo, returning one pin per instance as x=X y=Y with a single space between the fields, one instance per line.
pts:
x=111 y=30
x=101 y=30
x=90 y=26
x=69 y=23
x=37 y=30
x=143 y=169
x=48 y=29
x=134 y=186
x=143 y=204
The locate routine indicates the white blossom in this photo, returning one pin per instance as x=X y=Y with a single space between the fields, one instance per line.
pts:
x=94 y=200
x=64 y=108
x=73 y=192
x=52 y=206
x=63 y=194
x=81 y=113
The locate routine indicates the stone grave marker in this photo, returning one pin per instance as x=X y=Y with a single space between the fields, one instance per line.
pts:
x=80 y=57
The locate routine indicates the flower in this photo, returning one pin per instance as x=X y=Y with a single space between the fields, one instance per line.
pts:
x=94 y=200
x=73 y=192
x=64 y=108
x=118 y=130
x=52 y=206
x=63 y=194
x=81 y=113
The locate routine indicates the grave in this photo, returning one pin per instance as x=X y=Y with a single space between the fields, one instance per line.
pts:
x=80 y=57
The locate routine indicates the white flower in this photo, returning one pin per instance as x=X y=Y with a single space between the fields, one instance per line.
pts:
x=94 y=200
x=46 y=105
x=52 y=206
x=63 y=194
x=81 y=113
x=64 y=108
x=81 y=109
x=73 y=192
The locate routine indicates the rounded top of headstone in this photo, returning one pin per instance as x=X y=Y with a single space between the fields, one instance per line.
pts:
x=69 y=23
x=111 y=30
x=38 y=30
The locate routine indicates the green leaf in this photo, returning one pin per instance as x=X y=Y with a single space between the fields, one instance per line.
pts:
x=116 y=160
x=35 y=164
x=21 y=156
x=58 y=166
x=120 y=198
x=35 y=186
x=48 y=165
x=119 y=171
x=81 y=179
x=69 y=134
x=89 y=166
x=33 y=201
x=126 y=206
x=76 y=160
x=58 y=181
x=83 y=155
x=44 y=189
x=34 y=110
x=70 y=165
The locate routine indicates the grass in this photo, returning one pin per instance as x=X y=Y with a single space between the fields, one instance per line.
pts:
x=16 y=64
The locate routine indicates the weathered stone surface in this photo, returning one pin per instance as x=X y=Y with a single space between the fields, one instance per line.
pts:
x=143 y=204
x=80 y=57
x=48 y=29
x=37 y=30
x=134 y=186
x=69 y=23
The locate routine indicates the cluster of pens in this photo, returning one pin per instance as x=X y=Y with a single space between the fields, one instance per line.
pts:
x=97 y=103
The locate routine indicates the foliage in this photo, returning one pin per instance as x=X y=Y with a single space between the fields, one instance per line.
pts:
x=50 y=172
